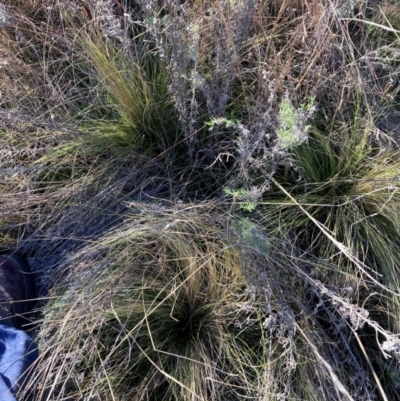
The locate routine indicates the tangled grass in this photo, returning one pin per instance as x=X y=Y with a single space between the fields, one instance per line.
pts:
x=163 y=316
x=171 y=306
x=208 y=194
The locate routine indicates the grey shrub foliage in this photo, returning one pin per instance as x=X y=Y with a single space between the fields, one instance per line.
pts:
x=202 y=55
x=213 y=69
x=108 y=19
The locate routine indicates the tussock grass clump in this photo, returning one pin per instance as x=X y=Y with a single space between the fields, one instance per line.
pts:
x=164 y=312
x=135 y=86
x=112 y=104
x=341 y=203
x=351 y=191
x=171 y=305
x=336 y=195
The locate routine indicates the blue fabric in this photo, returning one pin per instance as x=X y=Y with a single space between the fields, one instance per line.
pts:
x=17 y=354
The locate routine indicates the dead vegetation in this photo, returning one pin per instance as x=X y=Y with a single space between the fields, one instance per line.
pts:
x=208 y=194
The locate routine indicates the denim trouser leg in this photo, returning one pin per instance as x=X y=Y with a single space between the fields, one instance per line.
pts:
x=17 y=353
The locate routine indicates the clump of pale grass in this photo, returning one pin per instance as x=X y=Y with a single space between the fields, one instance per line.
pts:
x=165 y=313
x=173 y=304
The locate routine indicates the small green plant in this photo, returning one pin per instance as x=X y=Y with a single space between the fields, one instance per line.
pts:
x=247 y=199
x=221 y=121
x=292 y=130
x=252 y=235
